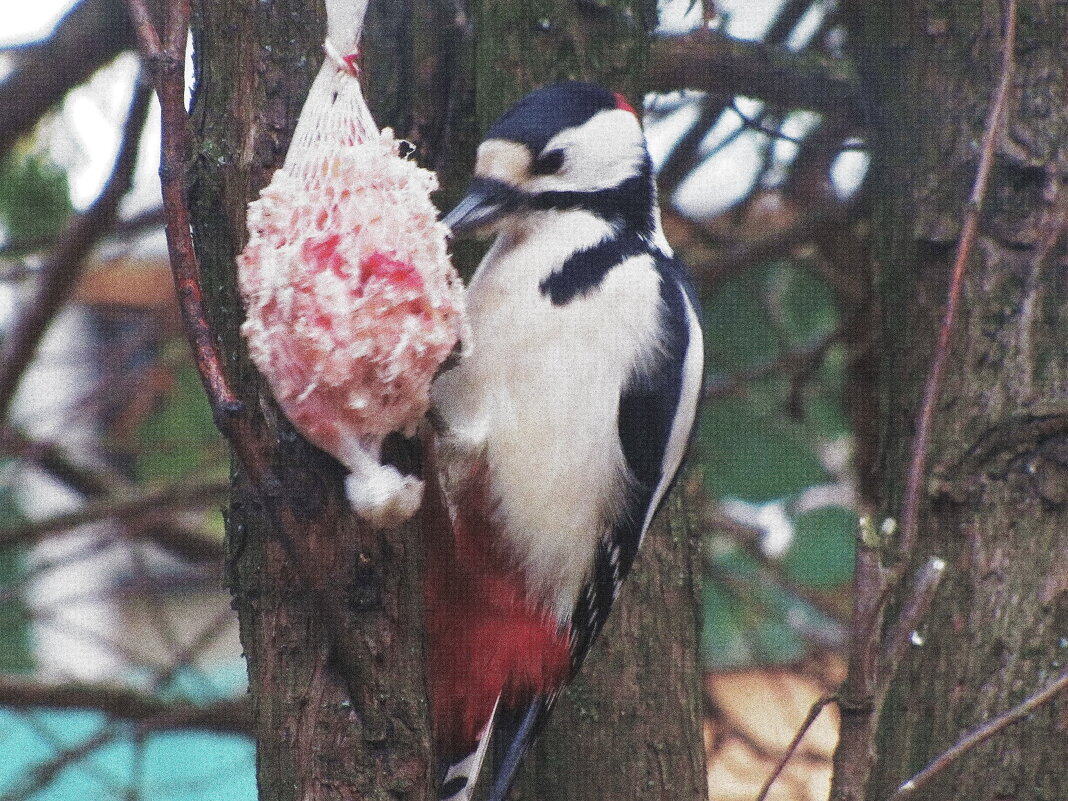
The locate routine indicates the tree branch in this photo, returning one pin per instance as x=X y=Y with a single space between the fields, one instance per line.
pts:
x=797 y=364
x=308 y=543
x=933 y=387
x=147 y=710
x=177 y=496
x=101 y=483
x=139 y=223
x=50 y=457
x=88 y=37
x=874 y=658
x=979 y=735
x=166 y=65
x=918 y=602
x=43 y=774
x=59 y=272
x=714 y=261
x=806 y=724
x=713 y=62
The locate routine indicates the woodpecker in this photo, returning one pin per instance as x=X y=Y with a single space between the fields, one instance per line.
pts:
x=561 y=427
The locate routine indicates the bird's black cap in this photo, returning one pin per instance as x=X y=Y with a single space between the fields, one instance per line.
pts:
x=542 y=114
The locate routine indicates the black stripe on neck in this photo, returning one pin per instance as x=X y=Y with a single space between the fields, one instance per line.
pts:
x=628 y=206
x=583 y=271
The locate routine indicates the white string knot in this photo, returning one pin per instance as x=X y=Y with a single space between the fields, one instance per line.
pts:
x=348 y=64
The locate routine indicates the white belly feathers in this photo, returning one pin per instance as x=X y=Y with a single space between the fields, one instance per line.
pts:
x=539 y=391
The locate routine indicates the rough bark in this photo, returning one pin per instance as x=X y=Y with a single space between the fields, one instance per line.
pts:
x=316 y=739
x=996 y=499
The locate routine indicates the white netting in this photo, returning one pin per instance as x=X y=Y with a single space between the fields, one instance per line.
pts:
x=351 y=301
x=335 y=117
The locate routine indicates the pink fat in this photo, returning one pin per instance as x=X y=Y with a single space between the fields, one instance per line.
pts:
x=322 y=255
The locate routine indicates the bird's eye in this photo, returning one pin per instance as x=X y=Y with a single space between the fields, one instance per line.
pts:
x=548 y=163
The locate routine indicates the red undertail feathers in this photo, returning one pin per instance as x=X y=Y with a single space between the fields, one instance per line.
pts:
x=486 y=640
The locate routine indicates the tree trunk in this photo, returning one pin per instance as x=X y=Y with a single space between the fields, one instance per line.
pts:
x=438 y=76
x=316 y=738
x=995 y=506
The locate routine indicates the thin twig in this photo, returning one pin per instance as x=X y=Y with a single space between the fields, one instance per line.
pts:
x=88 y=481
x=45 y=730
x=14 y=589
x=978 y=735
x=167 y=67
x=729 y=728
x=827 y=635
x=100 y=482
x=873 y=660
x=56 y=277
x=184 y=656
x=171 y=498
x=858 y=706
x=933 y=386
x=686 y=154
x=145 y=29
x=43 y=774
x=795 y=363
x=139 y=223
x=55 y=618
x=806 y=724
x=757 y=125
x=149 y=710
x=747 y=538
x=917 y=604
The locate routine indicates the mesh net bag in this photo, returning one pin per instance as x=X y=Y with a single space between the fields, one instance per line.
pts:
x=351 y=301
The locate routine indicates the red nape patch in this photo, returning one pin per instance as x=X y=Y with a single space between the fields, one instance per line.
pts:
x=621 y=103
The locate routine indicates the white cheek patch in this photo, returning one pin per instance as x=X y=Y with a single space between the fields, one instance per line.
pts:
x=599 y=154
x=504 y=161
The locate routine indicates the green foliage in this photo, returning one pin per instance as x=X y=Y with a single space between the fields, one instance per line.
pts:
x=748 y=616
x=767 y=341
x=34 y=204
x=738 y=331
x=180 y=439
x=724 y=640
x=754 y=449
x=756 y=454
x=822 y=552
x=34 y=199
x=16 y=655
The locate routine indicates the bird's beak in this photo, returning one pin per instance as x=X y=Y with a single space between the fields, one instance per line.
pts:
x=487 y=200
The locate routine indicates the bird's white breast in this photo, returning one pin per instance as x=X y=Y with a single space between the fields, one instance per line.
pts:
x=539 y=390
